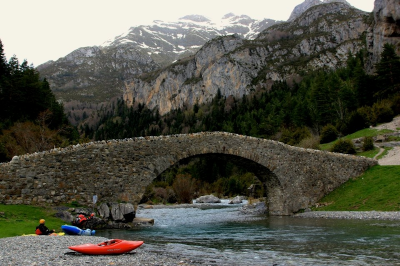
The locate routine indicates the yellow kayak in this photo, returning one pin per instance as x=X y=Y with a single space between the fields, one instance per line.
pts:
x=53 y=234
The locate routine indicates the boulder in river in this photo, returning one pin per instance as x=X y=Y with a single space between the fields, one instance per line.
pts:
x=237 y=200
x=208 y=199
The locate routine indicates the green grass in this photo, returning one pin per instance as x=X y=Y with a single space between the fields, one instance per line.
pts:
x=377 y=189
x=367 y=132
x=23 y=219
x=383 y=154
x=369 y=154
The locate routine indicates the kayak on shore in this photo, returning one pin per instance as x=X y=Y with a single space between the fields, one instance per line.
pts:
x=113 y=246
x=74 y=230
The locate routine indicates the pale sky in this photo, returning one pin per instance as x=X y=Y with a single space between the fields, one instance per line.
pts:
x=42 y=30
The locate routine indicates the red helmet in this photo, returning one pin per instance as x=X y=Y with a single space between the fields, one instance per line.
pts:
x=81 y=216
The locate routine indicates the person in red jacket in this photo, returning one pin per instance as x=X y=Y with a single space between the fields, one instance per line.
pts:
x=41 y=229
x=80 y=221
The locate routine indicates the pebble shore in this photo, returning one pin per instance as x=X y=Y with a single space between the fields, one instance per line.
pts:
x=53 y=250
x=360 y=215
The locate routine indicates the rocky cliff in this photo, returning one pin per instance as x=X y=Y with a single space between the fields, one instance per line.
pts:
x=386 y=29
x=301 y=8
x=321 y=37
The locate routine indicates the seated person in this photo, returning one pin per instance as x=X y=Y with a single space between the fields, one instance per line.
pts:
x=80 y=221
x=41 y=229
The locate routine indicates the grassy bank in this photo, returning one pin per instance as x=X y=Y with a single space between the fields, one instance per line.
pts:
x=367 y=132
x=16 y=220
x=377 y=189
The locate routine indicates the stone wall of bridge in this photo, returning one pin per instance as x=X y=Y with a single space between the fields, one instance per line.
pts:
x=120 y=170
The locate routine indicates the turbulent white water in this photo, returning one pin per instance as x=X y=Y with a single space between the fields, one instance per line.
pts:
x=223 y=236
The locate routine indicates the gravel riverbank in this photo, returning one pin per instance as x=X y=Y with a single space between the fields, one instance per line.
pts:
x=360 y=215
x=53 y=250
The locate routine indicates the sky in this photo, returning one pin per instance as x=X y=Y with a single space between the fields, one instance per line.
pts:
x=43 y=30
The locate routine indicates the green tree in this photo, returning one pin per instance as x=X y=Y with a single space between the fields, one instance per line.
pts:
x=388 y=72
x=368 y=144
x=328 y=133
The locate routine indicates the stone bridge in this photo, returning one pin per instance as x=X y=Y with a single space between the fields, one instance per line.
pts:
x=120 y=170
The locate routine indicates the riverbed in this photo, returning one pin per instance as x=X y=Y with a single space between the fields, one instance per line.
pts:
x=222 y=235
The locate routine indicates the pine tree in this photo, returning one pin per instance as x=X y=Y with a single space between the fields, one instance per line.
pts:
x=388 y=72
x=3 y=62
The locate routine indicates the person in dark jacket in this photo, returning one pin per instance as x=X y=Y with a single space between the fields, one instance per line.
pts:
x=41 y=229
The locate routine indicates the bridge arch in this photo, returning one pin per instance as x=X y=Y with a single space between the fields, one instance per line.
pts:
x=120 y=170
x=270 y=182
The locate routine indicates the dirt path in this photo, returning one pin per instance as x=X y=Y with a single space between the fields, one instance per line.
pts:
x=393 y=156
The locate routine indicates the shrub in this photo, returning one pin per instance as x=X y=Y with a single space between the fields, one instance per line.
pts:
x=328 y=133
x=310 y=143
x=184 y=187
x=344 y=146
x=396 y=105
x=383 y=111
x=160 y=194
x=368 y=144
x=171 y=197
x=364 y=117
x=293 y=137
x=148 y=194
x=368 y=116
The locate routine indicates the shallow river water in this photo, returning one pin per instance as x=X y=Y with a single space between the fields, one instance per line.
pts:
x=223 y=236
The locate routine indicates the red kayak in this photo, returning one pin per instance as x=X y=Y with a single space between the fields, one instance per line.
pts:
x=113 y=246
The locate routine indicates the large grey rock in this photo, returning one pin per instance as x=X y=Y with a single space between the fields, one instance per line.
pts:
x=208 y=199
x=120 y=210
x=65 y=216
x=237 y=200
x=104 y=211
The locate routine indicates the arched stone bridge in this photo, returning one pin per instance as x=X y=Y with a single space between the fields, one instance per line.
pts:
x=120 y=170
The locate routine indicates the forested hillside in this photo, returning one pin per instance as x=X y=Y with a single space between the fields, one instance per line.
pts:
x=31 y=119
x=347 y=98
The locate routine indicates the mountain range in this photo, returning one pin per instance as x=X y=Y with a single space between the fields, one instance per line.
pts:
x=169 y=64
x=98 y=73
x=321 y=37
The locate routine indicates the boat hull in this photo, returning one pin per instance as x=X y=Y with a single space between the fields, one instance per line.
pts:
x=113 y=246
x=74 y=230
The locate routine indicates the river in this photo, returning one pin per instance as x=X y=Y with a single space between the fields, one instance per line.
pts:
x=221 y=235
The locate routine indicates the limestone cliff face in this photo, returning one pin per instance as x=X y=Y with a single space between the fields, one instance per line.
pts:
x=195 y=79
x=322 y=37
x=387 y=27
x=301 y=8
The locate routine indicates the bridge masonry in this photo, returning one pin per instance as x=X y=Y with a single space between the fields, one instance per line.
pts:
x=120 y=170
